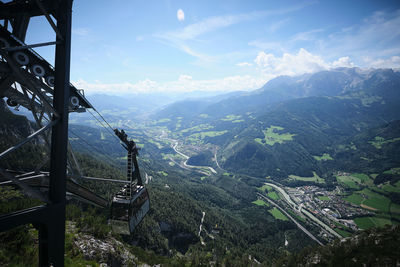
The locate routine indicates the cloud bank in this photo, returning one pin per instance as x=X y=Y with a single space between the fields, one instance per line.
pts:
x=266 y=66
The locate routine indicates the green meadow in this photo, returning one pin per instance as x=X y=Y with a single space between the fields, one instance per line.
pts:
x=271 y=137
x=368 y=222
x=315 y=178
x=324 y=157
x=278 y=214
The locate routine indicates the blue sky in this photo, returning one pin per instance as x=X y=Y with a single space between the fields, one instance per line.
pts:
x=126 y=46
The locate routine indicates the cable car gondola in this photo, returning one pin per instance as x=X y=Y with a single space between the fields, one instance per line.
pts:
x=131 y=203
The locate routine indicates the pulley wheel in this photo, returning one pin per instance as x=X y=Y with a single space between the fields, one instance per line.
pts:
x=38 y=70
x=21 y=58
x=74 y=101
x=50 y=81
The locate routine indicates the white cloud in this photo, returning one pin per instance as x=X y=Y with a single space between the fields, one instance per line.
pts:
x=214 y=23
x=343 y=62
x=180 y=15
x=297 y=64
x=305 y=36
x=290 y=64
x=377 y=35
x=277 y=25
x=181 y=38
x=392 y=62
x=207 y=25
x=80 y=31
x=244 y=64
x=184 y=78
x=184 y=83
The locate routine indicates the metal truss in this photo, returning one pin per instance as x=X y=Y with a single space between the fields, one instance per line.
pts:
x=28 y=80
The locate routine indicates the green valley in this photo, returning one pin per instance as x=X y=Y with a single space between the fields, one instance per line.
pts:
x=327 y=164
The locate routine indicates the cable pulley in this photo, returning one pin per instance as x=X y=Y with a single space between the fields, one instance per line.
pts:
x=21 y=58
x=38 y=70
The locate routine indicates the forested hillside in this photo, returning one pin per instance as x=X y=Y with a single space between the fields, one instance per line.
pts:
x=233 y=227
x=329 y=139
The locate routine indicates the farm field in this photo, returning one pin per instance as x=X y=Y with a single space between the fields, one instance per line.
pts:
x=324 y=198
x=271 y=137
x=233 y=118
x=273 y=195
x=342 y=232
x=375 y=200
x=197 y=128
x=264 y=188
x=369 y=199
x=278 y=214
x=260 y=202
x=368 y=222
x=198 y=137
x=355 y=199
x=315 y=178
x=355 y=180
x=324 y=157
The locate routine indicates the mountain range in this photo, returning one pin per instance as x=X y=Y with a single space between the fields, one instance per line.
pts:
x=284 y=127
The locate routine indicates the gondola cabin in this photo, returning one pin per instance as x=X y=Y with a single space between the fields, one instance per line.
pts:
x=128 y=210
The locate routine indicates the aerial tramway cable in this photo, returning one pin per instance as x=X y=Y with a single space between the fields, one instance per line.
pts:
x=105 y=127
x=82 y=140
x=103 y=119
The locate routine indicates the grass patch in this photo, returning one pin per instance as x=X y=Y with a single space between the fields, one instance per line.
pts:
x=379 y=141
x=273 y=195
x=347 y=181
x=324 y=157
x=271 y=137
x=362 y=177
x=295 y=215
x=323 y=198
x=371 y=199
x=278 y=214
x=260 y=202
x=163 y=173
x=392 y=171
x=203 y=135
x=355 y=199
x=368 y=222
x=78 y=262
x=394 y=208
x=391 y=188
x=315 y=178
x=376 y=200
x=198 y=128
x=231 y=117
x=263 y=188
x=342 y=232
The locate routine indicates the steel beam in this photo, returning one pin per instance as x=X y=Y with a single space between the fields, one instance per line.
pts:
x=55 y=232
x=14 y=9
x=33 y=215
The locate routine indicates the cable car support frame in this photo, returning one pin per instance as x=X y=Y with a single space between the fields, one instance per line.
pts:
x=28 y=80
